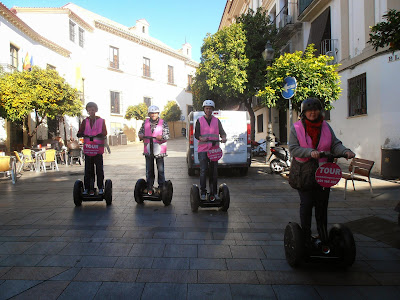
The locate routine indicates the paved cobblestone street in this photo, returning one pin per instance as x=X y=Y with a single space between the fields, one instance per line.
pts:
x=50 y=249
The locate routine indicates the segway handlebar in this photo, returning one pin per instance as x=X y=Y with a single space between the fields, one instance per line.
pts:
x=91 y=137
x=330 y=156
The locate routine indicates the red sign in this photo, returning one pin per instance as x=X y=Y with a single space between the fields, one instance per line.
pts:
x=215 y=153
x=91 y=148
x=328 y=174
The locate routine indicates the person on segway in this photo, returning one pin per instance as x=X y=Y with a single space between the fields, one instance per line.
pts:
x=308 y=137
x=158 y=128
x=93 y=130
x=208 y=130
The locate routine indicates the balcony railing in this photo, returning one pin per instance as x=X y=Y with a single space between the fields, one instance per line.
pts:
x=7 y=68
x=303 y=4
x=283 y=18
x=329 y=47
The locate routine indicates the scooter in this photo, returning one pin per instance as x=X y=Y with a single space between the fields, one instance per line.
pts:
x=163 y=193
x=78 y=194
x=259 y=148
x=337 y=247
x=282 y=159
x=214 y=154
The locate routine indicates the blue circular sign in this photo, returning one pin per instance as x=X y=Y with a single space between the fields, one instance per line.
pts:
x=289 y=87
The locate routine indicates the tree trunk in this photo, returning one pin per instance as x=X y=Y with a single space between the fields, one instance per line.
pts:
x=248 y=103
x=65 y=131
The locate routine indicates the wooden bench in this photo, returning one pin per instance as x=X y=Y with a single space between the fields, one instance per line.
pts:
x=360 y=170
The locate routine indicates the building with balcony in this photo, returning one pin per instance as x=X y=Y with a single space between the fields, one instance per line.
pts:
x=366 y=117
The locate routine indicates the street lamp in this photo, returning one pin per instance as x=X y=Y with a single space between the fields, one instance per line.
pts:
x=268 y=56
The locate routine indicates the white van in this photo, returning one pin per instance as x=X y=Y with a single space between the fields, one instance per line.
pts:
x=237 y=149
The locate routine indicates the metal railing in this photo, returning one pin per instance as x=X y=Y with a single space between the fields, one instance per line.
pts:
x=329 y=47
x=7 y=68
x=283 y=17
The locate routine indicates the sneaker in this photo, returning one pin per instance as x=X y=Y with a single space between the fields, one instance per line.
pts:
x=91 y=193
x=85 y=192
x=101 y=191
x=203 y=197
x=217 y=197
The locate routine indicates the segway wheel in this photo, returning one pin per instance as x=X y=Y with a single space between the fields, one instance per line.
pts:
x=139 y=187
x=167 y=192
x=108 y=192
x=78 y=190
x=294 y=244
x=223 y=193
x=343 y=243
x=194 y=198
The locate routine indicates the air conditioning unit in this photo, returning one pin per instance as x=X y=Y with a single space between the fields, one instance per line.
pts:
x=334 y=54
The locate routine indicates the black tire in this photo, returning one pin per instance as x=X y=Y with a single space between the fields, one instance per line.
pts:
x=167 y=192
x=194 y=198
x=243 y=171
x=78 y=190
x=191 y=171
x=223 y=193
x=343 y=244
x=139 y=187
x=108 y=192
x=294 y=244
x=276 y=166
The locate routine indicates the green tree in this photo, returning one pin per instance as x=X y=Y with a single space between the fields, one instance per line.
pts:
x=386 y=32
x=315 y=78
x=232 y=69
x=171 y=112
x=138 y=112
x=43 y=92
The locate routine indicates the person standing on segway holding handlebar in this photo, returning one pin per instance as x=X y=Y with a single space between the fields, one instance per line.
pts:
x=308 y=137
x=93 y=130
x=158 y=128
x=207 y=131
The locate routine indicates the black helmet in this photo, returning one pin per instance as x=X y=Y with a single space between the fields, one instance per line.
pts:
x=310 y=104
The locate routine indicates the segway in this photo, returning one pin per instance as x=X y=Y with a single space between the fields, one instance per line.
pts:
x=338 y=246
x=214 y=154
x=163 y=193
x=91 y=150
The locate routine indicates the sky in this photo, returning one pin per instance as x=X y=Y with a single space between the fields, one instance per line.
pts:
x=172 y=22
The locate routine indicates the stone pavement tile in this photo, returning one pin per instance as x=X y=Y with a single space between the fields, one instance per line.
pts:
x=244 y=264
x=227 y=236
x=96 y=262
x=149 y=250
x=379 y=292
x=276 y=265
x=109 y=234
x=164 y=291
x=49 y=232
x=387 y=278
x=220 y=242
x=46 y=248
x=113 y=249
x=134 y=262
x=218 y=276
x=391 y=266
x=168 y=235
x=14 y=247
x=344 y=277
x=46 y=290
x=369 y=253
x=80 y=290
x=214 y=251
x=193 y=235
x=21 y=260
x=170 y=263
x=207 y=264
x=247 y=252
x=59 y=261
x=80 y=249
x=120 y=290
x=106 y=274
x=209 y=292
x=252 y=291
x=32 y=273
x=10 y=288
x=339 y=292
x=274 y=252
x=180 y=251
x=289 y=292
x=173 y=276
x=79 y=233
x=19 y=232
x=284 y=277
x=258 y=236
x=67 y=275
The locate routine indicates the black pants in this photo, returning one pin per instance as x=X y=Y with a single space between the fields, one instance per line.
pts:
x=150 y=176
x=206 y=163
x=90 y=162
x=319 y=199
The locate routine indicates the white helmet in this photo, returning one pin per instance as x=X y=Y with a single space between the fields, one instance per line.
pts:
x=153 y=109
x=208 y=103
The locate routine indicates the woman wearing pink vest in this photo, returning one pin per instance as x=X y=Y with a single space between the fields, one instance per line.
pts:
x=308 y=137
x=94 y=131
x=158 y=128
x=208 y=128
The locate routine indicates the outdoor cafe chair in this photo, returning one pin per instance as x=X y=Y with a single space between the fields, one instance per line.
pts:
x=8 y=167
x=50 y=157
x=20 y=162
x=28 y=159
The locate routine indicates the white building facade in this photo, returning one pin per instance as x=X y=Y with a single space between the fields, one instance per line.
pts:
x=366 y=117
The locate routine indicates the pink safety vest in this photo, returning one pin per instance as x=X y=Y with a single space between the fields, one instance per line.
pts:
x=211 y=131
x=96 y=146
x=157 y=131
x=325 y=140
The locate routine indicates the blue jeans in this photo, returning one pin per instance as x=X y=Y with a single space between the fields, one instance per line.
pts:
x=90 y=162
x=206 y=163
x=150 y=176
